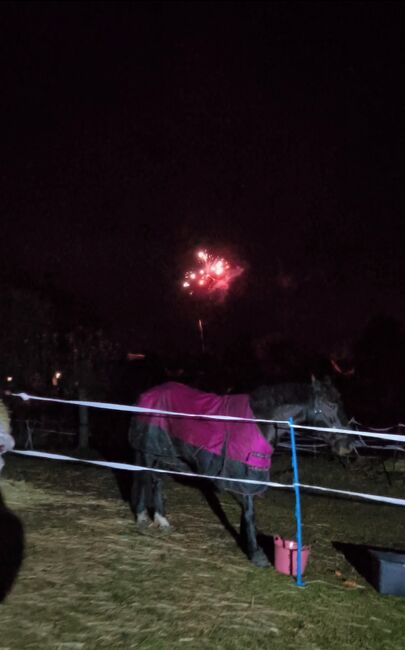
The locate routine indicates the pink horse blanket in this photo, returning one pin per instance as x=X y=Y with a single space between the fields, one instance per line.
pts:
x=242 y=442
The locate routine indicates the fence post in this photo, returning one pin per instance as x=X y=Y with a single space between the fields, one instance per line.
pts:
x=83 y=421
x=297 y=501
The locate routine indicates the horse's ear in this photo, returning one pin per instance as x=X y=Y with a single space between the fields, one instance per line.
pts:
x=315 y=383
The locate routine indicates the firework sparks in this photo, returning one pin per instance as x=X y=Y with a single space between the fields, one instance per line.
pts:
x=213 y=274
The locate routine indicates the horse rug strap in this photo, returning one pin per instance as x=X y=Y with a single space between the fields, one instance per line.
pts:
x=242 y=442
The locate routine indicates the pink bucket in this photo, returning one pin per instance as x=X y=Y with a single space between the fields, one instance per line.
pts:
x=285 y=556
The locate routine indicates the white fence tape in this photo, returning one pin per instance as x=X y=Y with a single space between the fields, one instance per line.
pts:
x=140 y=468
x=400 y=425
x=371 y=497
x=139 y=409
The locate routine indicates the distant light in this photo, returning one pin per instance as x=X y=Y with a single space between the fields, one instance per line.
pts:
x=137 y=356
x=56 y=377
x=9 y=379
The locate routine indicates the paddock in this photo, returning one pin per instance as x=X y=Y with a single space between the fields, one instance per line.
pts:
x=91 y=579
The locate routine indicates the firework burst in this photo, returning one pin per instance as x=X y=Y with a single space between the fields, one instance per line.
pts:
x=212 y=274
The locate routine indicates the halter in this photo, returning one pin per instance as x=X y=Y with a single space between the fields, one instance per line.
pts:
x=326 y=411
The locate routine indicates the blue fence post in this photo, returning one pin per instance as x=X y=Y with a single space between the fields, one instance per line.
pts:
x=297 y=501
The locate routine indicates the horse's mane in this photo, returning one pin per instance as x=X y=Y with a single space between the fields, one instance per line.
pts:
x=265 y=399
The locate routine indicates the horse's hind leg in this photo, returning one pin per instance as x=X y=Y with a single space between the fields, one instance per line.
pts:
x=248 y=532
x=159 y=517
x=139 y=498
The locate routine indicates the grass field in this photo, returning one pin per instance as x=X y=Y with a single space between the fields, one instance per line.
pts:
x=91 y=580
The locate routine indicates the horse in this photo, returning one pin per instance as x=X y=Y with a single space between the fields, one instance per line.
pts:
x=224 y=449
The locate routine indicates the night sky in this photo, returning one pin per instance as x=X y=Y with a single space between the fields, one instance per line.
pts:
x=131 y=133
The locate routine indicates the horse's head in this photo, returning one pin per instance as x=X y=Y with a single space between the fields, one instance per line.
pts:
x=327 y=410
x=319 y=405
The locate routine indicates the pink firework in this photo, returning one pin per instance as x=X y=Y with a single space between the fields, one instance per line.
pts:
x=213 y=274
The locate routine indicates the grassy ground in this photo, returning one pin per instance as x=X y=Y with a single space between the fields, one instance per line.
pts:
x=91 y=580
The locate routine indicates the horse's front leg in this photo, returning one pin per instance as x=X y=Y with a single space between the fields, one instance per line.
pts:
x=248 y=532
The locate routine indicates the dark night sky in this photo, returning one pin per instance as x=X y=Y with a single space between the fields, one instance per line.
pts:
x=131 y=132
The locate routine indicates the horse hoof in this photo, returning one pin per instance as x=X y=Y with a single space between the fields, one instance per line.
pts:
x=159 y=521
x=260 y=559
x=142 y=520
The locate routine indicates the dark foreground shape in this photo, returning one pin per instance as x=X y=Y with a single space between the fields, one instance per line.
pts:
x=224 y=450
x=11 y=548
